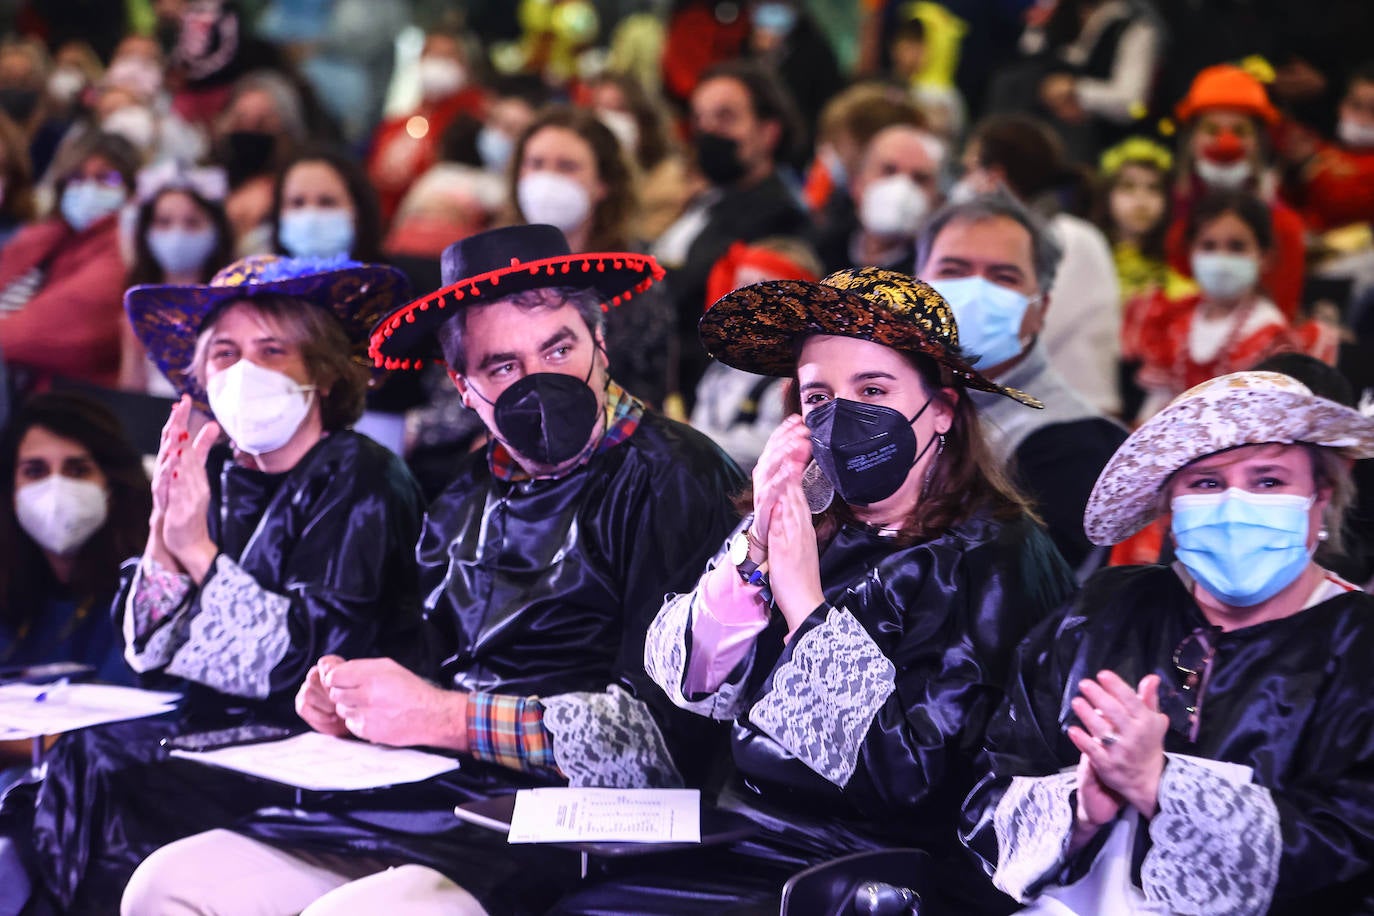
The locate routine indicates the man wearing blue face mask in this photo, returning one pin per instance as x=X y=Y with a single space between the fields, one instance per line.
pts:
x=62 y=278
x=994 y=262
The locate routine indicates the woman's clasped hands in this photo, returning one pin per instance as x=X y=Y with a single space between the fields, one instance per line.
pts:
x=1121 y=742
x=782 y=521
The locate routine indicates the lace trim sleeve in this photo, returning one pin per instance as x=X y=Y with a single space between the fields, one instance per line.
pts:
x=1034 y=825
x=156 y=602
x=823 y=699
x=665 y=660
x=1215 y=843
x=237 y=637
x=608 y=740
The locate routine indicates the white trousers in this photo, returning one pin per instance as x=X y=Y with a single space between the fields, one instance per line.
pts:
x=220 y=873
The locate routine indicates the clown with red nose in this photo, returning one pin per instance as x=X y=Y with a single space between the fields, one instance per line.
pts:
x=1225 y=144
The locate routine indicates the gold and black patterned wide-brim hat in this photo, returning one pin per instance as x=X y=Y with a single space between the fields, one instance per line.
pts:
x=167 y=319
x=760 y=328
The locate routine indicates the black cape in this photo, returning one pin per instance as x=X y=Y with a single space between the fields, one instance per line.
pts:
x=949 y=613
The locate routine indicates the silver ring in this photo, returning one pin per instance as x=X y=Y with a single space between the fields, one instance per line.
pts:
x=1109 y=739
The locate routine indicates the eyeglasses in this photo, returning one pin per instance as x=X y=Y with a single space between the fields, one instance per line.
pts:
x=1193 y=658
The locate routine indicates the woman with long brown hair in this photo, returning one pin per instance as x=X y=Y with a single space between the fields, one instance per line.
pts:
x=74 y=503
x=857 y=627
x=570 y=171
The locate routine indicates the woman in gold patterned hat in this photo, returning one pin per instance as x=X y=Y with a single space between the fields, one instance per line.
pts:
x=857 y=627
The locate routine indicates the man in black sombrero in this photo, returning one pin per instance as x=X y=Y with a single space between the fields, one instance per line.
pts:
x=542 y=566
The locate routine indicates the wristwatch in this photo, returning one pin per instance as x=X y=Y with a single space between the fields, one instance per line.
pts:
x=749 y=571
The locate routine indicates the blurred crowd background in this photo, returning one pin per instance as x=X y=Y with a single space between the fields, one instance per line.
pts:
x=1208 y=159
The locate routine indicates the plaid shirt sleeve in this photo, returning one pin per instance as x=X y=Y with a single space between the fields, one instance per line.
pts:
x=509 y=731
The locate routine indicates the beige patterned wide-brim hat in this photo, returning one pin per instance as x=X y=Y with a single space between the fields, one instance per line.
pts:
x=1243 y=408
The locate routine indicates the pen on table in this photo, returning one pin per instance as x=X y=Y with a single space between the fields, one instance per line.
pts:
x=51 y=691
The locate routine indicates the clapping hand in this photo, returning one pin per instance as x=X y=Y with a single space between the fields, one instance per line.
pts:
x=782 y=461
x=1122 y=743
x=181 y=494
x=794 y=568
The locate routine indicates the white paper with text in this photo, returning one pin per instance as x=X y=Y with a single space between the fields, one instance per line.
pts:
x=568 y=815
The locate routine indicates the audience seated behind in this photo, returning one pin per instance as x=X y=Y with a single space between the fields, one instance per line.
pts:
x=61 y=278
x=995 y=264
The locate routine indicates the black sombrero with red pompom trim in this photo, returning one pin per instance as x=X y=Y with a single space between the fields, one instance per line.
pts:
x=501 y=262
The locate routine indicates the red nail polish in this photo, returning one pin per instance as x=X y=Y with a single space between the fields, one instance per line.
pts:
x=183 y=437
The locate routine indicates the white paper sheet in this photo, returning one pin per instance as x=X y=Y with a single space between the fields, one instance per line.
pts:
x=558 y=815
x=30 y=710
x=324 y=763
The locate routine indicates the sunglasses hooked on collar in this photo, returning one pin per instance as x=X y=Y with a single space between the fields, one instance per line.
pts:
x=1193 y=660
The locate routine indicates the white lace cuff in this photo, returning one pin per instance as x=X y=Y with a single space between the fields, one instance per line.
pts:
x=1215 y=843
x=665 y=660
x=237 y=636
x=608 y=740
x=1034 y=825
x=823 y=699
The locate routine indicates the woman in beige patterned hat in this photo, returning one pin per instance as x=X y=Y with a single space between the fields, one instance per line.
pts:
x=1198 y=738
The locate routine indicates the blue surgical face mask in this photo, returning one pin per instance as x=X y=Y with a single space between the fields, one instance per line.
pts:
x=316 y=232
x=1225 y=276
x=778 y=18
x=84 y=203
x=988 y=317
x=1242 y=547
x=181 y=251
x=494 y=148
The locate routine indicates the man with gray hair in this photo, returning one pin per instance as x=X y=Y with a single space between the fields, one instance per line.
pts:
x=994 y=262
x=541 y=567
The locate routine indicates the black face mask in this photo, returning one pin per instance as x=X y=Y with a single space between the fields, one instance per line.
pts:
x=18 y=103
x=547 y=417
x=246 y=153
x=865 y=450
x=167 y=32
x=718 y=158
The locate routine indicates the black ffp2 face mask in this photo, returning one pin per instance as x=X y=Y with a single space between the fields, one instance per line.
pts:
x=547 y=417
x=718 y=158
x=866 y=451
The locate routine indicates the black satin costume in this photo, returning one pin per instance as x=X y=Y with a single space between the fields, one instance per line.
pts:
x=1291 y=698
x=948 y=613
x=335 y=534
x=540 y=588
